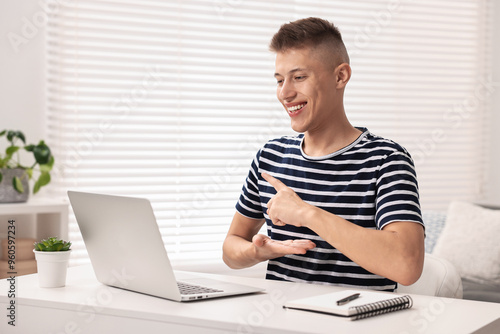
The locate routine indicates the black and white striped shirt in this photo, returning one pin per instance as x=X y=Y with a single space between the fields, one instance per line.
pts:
x=371 y=183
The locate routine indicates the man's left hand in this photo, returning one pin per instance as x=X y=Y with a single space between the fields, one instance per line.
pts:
x=286 y=207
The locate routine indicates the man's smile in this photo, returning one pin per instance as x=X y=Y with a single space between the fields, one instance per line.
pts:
x=295 y=108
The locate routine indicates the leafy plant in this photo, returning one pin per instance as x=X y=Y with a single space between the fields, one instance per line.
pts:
x=42 y=156
x=52 y=244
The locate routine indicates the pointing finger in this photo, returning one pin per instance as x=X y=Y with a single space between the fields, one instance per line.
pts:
x=277 y=184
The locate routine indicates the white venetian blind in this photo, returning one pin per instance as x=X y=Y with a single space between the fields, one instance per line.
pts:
x=170 y=100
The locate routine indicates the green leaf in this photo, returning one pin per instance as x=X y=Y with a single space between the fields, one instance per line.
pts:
x=29 y=148
x=52 y=244
x=42 y=153
x=48 y=166
x=51 y=161
x=3 y=132
x=45 y=168
x=29 y=172
x=11 y=135
x=36 y=187
x=11 y=150
x=17 y=184
x=43 y=180
x=21 y=136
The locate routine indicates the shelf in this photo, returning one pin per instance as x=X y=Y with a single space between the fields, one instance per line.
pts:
x=37 y=219
x=34 y=206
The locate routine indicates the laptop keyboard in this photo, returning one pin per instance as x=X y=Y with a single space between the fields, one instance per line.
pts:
x=191 y=289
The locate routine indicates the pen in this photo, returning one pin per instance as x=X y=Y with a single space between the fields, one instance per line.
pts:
x=347 y=299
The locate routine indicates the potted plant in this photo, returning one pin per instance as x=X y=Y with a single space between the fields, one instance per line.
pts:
x=52 y=256
x=14 y=176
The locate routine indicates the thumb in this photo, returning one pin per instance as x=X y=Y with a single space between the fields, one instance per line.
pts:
x=259 y=240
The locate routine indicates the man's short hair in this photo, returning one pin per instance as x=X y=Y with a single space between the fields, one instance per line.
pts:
x=311 y=32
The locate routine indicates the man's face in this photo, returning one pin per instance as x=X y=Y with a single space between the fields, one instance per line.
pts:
x=306 y=86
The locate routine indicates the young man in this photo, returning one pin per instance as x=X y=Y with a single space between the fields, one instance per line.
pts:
x=341 y=204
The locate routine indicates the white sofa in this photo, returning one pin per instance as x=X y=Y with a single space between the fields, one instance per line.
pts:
x=439 y=278
x=473 y=230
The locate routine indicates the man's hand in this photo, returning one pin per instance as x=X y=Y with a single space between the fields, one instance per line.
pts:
x=244 y=247
x=267 y=248
x=286 y=207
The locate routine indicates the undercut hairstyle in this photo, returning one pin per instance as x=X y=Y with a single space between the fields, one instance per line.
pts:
x=313 y=33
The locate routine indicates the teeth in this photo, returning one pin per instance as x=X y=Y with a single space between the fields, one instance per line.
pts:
x=297 y=107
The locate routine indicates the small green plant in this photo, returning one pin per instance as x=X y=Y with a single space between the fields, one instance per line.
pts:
x=52 y=244
x=42 y=156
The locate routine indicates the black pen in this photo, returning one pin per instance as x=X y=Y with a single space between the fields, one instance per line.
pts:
x=347 y=299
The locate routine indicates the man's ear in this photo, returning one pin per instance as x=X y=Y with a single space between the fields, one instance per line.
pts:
x=343 y=74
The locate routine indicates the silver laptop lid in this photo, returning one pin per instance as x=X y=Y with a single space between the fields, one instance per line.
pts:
x=124 y=243
x=126 y=249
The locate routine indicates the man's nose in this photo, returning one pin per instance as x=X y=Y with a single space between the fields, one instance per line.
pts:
x=287 y=91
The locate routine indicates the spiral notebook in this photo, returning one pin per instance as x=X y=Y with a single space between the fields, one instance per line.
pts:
x=368 y=304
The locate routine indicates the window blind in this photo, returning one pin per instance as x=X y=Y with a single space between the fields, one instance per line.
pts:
x=170 y=100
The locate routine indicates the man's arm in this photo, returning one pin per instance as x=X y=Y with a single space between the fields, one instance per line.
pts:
x=244 y=247
x=395 y=252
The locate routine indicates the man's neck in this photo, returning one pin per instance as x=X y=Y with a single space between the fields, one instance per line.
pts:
x=317 y=144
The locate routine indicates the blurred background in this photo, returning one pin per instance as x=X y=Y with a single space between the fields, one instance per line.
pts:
x=170 y=100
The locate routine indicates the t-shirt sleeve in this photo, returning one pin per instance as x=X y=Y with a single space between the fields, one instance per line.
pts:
x=397 y=191
x=249 y=202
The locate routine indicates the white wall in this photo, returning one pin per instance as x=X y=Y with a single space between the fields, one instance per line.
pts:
x=22 y=86
x=494 y=171
x=22 y=68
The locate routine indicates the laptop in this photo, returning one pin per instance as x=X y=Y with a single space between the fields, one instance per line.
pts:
x=126 y=250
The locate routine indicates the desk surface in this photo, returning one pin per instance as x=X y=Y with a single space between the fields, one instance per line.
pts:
x=86 y=306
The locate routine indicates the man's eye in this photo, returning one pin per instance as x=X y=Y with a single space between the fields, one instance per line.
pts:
x=300 y=77
x=279 y=82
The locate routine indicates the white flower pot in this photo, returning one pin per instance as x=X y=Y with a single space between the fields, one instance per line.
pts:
x=52 y=268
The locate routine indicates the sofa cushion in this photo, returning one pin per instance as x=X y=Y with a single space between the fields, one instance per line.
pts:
x=434 y=224
x=470 y=241
x=439 y=278
x=481 y=291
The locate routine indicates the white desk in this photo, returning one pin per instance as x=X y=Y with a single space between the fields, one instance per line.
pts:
x=86 y=306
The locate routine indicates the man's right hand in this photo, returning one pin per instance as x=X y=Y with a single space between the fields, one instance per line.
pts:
x=267 y=248
x=244 y=247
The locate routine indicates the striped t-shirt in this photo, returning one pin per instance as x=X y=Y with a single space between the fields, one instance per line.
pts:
x=371 y=183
